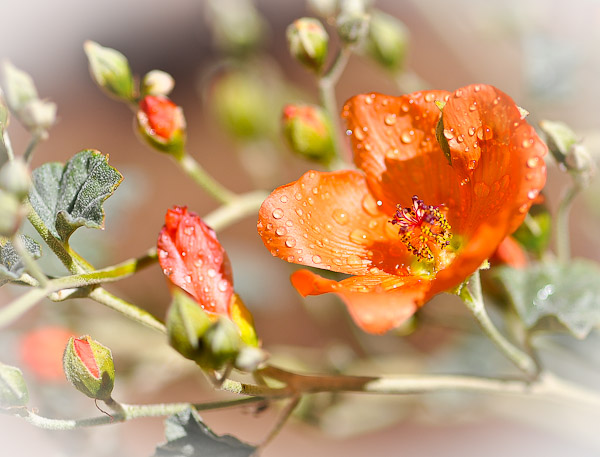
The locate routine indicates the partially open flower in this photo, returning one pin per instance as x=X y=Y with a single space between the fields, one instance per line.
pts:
x=308 y=132
x=193 y=259
x=162 y=124
x=411 y=224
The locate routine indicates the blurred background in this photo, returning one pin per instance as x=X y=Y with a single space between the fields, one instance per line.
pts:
x=544 y=53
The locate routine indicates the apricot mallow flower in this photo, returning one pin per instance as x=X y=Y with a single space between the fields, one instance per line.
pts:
x=415 y=220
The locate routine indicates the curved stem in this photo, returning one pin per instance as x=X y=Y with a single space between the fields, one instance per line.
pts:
x=473 y=299
x=327 y=97
x=204 y=180
x=242 y=206
x=563 y=246
x=30 y=264
x=133 y=412
x=35 y=139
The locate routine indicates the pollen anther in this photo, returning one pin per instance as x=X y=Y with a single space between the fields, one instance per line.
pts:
x=422 y=228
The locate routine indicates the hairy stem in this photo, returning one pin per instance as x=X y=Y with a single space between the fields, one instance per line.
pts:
x=473 y=299
x=193 y=169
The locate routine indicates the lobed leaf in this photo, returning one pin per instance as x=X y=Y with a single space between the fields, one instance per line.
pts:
x=70 y=196
x=188 y=436
x=571 y=293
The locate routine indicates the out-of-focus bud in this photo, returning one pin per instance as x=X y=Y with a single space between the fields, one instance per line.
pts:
x=11 y=214
x=13 y=390
x=42 y=350
x=221 y=344
x=89 y=367
x=308 y=40
x=250 y=358
x=567 y=150
x=19 y=88
x=239 y=101
x=308 y=132
x=157 y=82
x=186 y=324
x=387 y=41
x=15 y=178
x=38 y=116
x=162 y=124
x=324 y=8
x=353 y=21
x=110 y=69
x=237 y=26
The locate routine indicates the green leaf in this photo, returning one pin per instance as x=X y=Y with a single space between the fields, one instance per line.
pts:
x=11 y=265
x=188 y=436
x=70 y=196
x=535 y=232
x=570 y=293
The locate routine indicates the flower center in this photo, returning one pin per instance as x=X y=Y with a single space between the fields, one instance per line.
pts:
x=422 y=228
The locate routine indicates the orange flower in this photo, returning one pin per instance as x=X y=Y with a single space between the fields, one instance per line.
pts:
x=410 y=225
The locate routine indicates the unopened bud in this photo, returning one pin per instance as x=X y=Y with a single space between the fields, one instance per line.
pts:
x=89 y=367
x=157 y=82
x=221 y=344
x=353 y=21
x=307 y=40
x=323 y=8
x=13 y=390
x=15 y=178
x=110 y=69
x=11 y=214
x=186 y=323
x=162 y=124
x=387 y=41
x=308 y=132
x=19 y=88
x=38 y=115
x=250 y=358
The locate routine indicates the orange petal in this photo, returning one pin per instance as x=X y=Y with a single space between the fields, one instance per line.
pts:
x=331 y=221
x=510 y=253
x=193 y=259
x=377 y=303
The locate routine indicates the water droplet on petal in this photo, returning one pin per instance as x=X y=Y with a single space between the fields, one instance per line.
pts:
x=348 y=132
x=290 y=242
x=465 y=181
x=429 y=97
x=532 y=162
x=473 y=107
x=485 y=133
x=477 y=88
x=223 y=285
x=354 y=260
x=458 y=93
x=359 y=236
x=460 y=138
x=448 y=134
x=405 y=108
x=390 y=119
x=407 y=136
x=280 y=231
x=189 y=230
x=290 y=258
x=523 y=208
x=532 y=194
x=187 y=278
x=527 y=143
x=211 y=273
x=471 y=165
x=283 y=199
x=370 y=205
x=340 y=216
x=277 y=213
x=316 y=259
x=358 y=133
x=299 y=211
x=471 y=131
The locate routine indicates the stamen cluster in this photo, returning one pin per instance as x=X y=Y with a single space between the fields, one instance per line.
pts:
x=422 y=228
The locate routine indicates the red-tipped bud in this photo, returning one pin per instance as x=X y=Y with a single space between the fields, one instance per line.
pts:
x=308 y=132
x=162 y=124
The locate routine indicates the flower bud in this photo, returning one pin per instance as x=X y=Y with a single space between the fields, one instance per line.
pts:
x=241 y=317
x=110 y=69
x=162 y=124
x=323 y=8
x=308 y=132
x=38 y=115
x=353 y=21
x=89 y=367
x=240 y=102
x=157 y=82
x=15 y=178
x=221 y=344
x=11 y=214
x=186 y=323
x=13 y=390
x=18 y=87
x=387 y=40
x=307 y=40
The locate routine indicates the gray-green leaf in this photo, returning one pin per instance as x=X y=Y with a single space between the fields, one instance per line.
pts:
x=70 y=196
x=571 y=293
x=188 y=436
x=11 y=265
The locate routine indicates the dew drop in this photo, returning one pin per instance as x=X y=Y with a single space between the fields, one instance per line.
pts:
x=354 y=260
x=340 y=216
x=532 y=194
x=211 y=273
x=527 y=143
x=348 y=132
x=290 y=258
x=370 y=205
x=372 y=223
x=298 y=196
x=289 y=223
x=189 y=230
x=460 y=138
x=299 y=212
x=471 y=131
x=359 y=236
x=168 y=271
x=532 y=162
x=405 y=108
x=183 y=253
x=465 y=181
x=277 y=213
x=523 y=208
x=187 y=278
x=407 y=136
x=473 y=107
x=429 y=97
x=316 y=259
x=163 y=254
x=359 y=134
x=369 y=99
x=485 y=133
x=280 y=231
x=269 y=226
x=477 y=88
x=471 y=165
x=390 y=119
x=290 y=242
x=283 y=199
x=223 y=285
x=337 y=261
x=458 y=93
x=448 y=134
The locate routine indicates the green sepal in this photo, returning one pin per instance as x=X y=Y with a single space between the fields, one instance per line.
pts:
x=111 y=71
